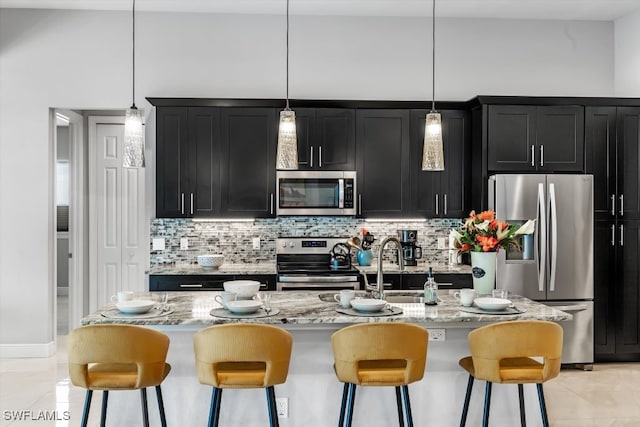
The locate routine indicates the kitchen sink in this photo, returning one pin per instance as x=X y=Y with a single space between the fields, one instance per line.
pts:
x=404 y=299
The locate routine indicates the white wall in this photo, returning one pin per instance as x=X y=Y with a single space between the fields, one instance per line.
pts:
x=81 y=60
x=627 y=56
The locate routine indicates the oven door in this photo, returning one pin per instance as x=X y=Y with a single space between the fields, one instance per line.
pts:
x=315 y=193
x=294 y=282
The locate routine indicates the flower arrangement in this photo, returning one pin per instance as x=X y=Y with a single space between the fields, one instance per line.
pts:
x=367 y=239
x=484 y=233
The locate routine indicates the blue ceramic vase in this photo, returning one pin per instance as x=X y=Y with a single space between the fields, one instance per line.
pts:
x=364 y=257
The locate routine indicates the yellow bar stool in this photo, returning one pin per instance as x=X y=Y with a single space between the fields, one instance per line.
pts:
x=242 y=356
x=379 y=354
x=503 y=352
x=118 y=357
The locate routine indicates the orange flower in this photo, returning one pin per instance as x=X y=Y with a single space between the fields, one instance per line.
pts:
x=487 y=242
x=487 y=215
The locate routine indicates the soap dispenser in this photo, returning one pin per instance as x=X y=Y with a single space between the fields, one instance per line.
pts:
x=430 y=289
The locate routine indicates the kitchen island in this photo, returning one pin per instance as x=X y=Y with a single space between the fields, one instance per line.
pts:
x=312 y=388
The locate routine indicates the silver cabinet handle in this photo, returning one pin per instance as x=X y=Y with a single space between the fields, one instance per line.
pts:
x=621 y=234
x=359 y=204
x=191 y=203
x=311 y=156
x=621 y=204
x=182 y=203
x=613 y=205
x=533 y=156
x=320 y=156
x=271 y=204
x=445 y=203
x=195 y=285
x=613 y=235
x=542 y=155
x=436 y=204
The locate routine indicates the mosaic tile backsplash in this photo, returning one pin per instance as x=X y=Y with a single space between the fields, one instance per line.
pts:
x=235 y=239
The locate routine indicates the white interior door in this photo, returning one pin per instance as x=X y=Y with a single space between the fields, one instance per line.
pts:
x=116 y=208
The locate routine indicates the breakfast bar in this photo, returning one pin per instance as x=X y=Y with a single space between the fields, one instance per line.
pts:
x=312 y=389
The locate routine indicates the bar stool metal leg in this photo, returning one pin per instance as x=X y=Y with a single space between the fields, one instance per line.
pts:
x=345 y=395
x=214 y=410
x=407 y=406
x=145 y=408
x=273 y=410
x=523 y=417
x=465 y=407
x=543 y=407
x=163 y=418
x=103 y=412
x=399 y=404
x=487 y=404
x=352 y=398
x=87 y=406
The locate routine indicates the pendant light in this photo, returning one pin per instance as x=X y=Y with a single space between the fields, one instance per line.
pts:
x=133 y=155
x=287 y=152
x=432 y=152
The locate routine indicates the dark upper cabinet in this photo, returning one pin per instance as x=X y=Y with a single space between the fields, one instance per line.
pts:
x=215 y=162
x=443 y=193
x=326 y=138
x=382 y=162
x=522 y=138
x=187 y=146
x=628 y=167
x=247 y=162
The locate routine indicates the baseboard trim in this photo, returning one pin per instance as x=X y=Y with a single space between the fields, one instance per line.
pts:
x=23 y=351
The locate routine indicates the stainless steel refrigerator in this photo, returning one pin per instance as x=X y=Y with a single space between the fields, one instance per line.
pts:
x=555 y=263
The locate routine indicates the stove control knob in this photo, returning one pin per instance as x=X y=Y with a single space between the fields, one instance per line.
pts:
x=291 y=244
x=283 y=244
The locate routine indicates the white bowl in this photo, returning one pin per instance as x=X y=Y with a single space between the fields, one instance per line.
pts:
x=135 y=306
x=492 y=304
x=245 y=306
x=242 y=288
x=213 y=261
x=368 y=305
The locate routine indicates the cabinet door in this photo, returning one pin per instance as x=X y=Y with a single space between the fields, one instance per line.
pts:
x=382 y=153
x=247 y=166
x=448 y=187
x=306 y=137
x=627 y=298
x=511 y=134
x=171 y=162
x=335 y=139
x=600 y=158
x=560 y=139
x=628 y=135
x=202 y=199
x=605 y=282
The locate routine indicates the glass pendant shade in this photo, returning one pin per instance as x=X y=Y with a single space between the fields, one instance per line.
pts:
x=432 y=152
x=287 y=152
x=133 y=156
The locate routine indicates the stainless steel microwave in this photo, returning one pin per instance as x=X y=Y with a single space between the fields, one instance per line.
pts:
x=315 y=192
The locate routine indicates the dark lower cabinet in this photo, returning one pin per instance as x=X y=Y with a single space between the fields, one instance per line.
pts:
x=444 y=281
x=205 y=282
x=382 y=162
x=444 y=193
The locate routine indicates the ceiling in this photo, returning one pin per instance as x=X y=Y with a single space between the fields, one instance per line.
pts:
x=598 y=10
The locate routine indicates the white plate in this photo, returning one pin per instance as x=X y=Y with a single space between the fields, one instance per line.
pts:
x=135 y=306
x=492 y=304
x=368 y=305
x=243 y=306
x=242 y=288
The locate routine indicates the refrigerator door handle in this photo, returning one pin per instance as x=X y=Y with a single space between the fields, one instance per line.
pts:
x=542 y=233
x=554 y=236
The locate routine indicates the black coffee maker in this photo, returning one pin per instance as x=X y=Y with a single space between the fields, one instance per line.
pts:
x=410 y=251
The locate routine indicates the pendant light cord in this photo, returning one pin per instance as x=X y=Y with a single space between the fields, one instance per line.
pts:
x=287 y=55
x=133 y=79
x=433 y=59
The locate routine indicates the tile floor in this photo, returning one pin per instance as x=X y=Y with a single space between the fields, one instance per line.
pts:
x=608 y=396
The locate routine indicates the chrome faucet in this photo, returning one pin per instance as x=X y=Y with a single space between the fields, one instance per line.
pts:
x=379 y=286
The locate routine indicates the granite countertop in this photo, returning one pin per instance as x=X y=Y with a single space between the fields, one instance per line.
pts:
x=191 y=310
x=421 y=268
x=195 y=269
